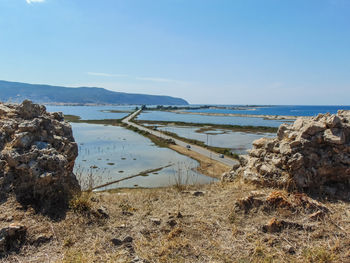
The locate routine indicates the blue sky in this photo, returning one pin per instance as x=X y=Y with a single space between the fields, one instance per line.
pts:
x=206 y=51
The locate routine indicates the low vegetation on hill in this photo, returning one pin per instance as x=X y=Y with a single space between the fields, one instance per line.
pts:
x=16 y=92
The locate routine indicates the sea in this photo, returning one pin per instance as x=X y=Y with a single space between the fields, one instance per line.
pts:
x=280 y=110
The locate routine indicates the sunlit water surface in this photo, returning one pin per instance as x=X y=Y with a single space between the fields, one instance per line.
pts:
x=193 y=118
x=286 y=110
x=93 y=112
x=239 y=142
x=111 y=153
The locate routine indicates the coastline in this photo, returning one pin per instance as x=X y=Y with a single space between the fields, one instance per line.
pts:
x=267 y=117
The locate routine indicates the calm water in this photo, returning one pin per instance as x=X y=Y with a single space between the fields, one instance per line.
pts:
x=191 y=118
x=279 y=110
x=239 y=142
x=99 y=112
x=117 y=153
x=111 y=153
x=93 y=112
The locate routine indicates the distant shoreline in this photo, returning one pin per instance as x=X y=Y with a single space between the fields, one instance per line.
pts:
x=85 y=104
x=267 y=117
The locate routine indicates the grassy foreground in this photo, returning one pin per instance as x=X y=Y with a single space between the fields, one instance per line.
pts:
x=187 y=224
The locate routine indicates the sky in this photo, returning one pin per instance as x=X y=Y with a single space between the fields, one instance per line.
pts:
x=293 y=52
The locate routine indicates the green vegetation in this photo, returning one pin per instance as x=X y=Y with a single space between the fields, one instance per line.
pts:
x=170 y=108
x=238 y=128
x=206 y=129
x=81 y=203
x=118 y=122
x=224 y=151
x=77 y=119
x=72 y=118
x=203 y=126
x=17 y=92
x=164 y=143
x=115 y=111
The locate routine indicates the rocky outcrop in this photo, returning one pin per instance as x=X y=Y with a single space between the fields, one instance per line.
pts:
x=312 y=154
x=11 y=238
x=37 y=155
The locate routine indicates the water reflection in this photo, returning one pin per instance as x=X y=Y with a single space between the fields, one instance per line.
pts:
x=111 y=153
x=192 y=118
x=239 y=142
x=94 y=112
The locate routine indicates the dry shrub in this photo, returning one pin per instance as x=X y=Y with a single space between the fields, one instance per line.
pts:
x=310 y=205
x=275 y=225
x=261 y=254
x=182 y=178
x=279 y=199
x=248 y=203
x=319 y=255
x=174 y=233
x=74 y=256
x=81 y=203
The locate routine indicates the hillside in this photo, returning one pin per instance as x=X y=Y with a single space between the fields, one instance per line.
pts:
x=17 y=92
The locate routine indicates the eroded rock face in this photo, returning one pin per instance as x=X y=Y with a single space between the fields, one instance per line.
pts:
x=312 y=154
x=37 y=155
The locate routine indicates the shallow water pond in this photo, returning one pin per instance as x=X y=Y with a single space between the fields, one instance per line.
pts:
x=94 y=112
x=239 y=142
x=192 y=118
x=110 y=153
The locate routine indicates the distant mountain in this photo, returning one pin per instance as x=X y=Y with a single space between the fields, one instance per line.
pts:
x=17 y=92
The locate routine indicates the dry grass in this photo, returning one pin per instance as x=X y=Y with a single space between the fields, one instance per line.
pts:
x=81 y=203
x=206 y=228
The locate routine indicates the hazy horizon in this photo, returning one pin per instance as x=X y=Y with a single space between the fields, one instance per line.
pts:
x=206 y=52
x=199 y=104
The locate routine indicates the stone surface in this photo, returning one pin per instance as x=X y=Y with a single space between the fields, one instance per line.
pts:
x=37 y=155
x=281 y=200
x=156 y=221
x=128 y=239
x=103 y=212
x=12 y=237
x=41 y=239
x=197 y=193
x=117 y=242
x=172 y=222
x=312 y=154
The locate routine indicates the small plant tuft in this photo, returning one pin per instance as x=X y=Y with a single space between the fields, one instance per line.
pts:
x=81 y=203
x=319 y=255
